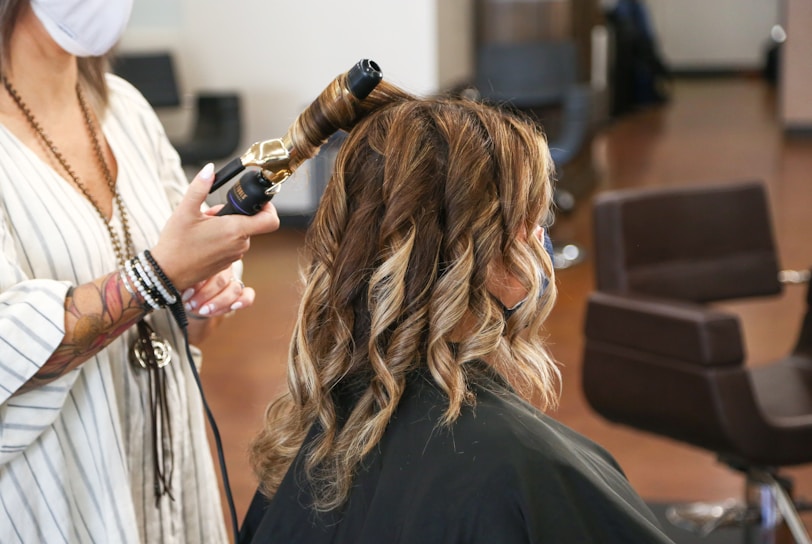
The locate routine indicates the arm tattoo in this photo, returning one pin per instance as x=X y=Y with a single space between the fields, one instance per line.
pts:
x=96 y=313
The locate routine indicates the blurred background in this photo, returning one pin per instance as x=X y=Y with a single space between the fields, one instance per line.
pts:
x=632 y=94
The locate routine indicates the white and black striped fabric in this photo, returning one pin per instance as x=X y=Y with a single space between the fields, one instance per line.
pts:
x=76 y=459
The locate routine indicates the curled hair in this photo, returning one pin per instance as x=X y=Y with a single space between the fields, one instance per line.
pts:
x=427 y=196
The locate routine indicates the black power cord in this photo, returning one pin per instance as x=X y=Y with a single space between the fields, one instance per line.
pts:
x=180 y=317
x=218 y=442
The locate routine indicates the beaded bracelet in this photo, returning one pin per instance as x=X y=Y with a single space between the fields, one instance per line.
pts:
x=143 y=277
x=175 y=307
x=138 y=282
x=147 y=283
x=153 y=276
x=159 y=271
x=142 y=303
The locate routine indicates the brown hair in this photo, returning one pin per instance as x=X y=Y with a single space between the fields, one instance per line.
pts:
x=426 y=195
x=91 y=69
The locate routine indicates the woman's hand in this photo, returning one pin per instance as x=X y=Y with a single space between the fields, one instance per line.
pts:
x=221 y=294
x=195 y=246
x=210 y=300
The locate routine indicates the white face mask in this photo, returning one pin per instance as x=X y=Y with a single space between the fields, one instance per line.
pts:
x=85 y=28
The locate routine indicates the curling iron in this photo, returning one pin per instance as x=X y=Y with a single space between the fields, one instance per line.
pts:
x=336 y=108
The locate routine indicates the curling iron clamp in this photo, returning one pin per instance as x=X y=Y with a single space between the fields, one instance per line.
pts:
x=278 y=158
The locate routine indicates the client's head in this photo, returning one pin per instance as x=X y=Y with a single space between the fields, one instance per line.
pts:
x=426 y=232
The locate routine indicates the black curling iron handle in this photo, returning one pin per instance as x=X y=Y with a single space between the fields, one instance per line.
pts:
x=247 y=196
x=227 y=172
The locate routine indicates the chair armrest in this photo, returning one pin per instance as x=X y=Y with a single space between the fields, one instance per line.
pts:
x=675 y=329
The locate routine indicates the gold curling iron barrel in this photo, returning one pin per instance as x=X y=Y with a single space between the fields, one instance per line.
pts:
x=338 y=107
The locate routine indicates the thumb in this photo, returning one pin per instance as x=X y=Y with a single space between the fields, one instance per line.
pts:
x=198 y=190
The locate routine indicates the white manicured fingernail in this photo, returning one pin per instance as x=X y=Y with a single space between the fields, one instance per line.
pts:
x=206 y=172
x=207 y=309
x=187 y=294
x=236 y=306
x=190 y=305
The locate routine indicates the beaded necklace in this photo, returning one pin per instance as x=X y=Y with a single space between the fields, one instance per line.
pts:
x=149 y=351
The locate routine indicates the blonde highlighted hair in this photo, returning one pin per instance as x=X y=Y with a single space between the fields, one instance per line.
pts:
x=427 y=194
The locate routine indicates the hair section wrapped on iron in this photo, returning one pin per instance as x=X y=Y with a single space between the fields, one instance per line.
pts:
x=427 y=195
x=336 y=108
x=345 y=100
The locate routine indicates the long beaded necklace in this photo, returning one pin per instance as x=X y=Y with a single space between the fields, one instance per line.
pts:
x=150 y=351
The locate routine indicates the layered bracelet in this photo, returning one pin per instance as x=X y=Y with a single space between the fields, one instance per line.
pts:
x=146 y=282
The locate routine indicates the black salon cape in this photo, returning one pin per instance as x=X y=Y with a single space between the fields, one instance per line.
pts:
x=503 y=473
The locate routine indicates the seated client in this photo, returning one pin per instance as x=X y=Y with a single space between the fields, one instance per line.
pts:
x=418 y=372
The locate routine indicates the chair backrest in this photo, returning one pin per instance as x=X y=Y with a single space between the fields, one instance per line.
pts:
x=575 y=127
x=703 y=243
x=217 y=130
x=151 y=73
x=527 y=75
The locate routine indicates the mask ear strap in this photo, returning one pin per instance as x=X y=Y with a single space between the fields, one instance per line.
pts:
x=512 y=309
x=507 y=312
x=548 y=247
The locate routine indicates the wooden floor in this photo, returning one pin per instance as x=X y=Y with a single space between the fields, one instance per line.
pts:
x=711 y=131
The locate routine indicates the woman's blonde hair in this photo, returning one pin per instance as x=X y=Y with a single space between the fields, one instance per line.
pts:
x=91 y=69
x=426 y=195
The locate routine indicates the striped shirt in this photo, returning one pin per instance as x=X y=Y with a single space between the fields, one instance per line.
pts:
x=76 y=461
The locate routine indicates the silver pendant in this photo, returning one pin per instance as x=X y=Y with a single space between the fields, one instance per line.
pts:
x=161 y=348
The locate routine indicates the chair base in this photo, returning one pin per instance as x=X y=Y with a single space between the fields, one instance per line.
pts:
x=769 y=512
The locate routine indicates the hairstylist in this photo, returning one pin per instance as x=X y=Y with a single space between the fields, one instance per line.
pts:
x=102 y=439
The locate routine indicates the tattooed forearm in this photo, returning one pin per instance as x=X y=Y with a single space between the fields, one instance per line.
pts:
x=96 y=313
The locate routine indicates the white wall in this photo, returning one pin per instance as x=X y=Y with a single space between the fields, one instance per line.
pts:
x=730 y=34
x=796 y=68
x=280 y=55
x=455 y=42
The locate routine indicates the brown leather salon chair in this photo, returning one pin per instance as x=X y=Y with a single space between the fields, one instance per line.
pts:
x=661 y=358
